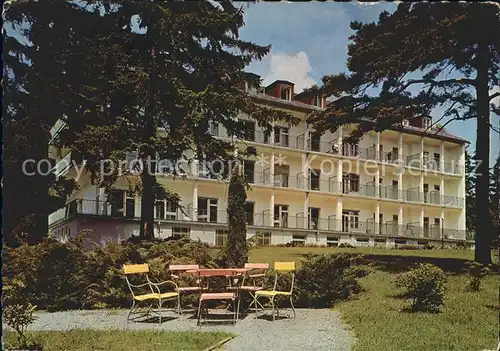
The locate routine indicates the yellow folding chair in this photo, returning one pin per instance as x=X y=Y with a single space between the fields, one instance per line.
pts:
x=148 y=293
x=279 y=268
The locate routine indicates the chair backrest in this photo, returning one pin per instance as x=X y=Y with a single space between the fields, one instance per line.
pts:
x=135 y=268
x=183 y=267
x=280 y=267
x=257 y=265
x=261 y=269
x=129 y=269
x=284 y=266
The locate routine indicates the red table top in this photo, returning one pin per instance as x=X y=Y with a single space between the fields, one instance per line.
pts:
x=215 y=272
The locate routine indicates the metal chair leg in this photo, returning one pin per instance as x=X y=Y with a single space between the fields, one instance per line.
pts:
x=179 y=309
x=272 y=303
x=130 y=312
x=293 y=308
x=199 y=313
x=159 y=311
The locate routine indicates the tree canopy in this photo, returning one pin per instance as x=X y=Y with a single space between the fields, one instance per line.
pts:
x=423 y=56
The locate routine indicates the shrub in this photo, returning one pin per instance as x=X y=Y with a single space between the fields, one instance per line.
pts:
x=18 y=313
x=476 y=272
x=60 y=276
x=424 y=287
x=324 y=279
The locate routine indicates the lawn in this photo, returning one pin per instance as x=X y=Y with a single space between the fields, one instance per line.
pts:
x=468 y=321
x=86 y=339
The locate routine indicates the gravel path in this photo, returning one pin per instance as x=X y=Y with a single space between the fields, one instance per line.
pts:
x=311 y=330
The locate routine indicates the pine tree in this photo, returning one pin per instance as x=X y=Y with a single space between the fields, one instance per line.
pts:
x=40 y=66
x=168 y=79
x=429 y=47
x=236 y=251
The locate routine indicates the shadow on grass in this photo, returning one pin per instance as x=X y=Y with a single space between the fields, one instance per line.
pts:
x=397 y=264
x=155 y=319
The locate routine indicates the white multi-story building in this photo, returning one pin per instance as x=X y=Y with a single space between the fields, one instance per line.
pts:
x=401 y=186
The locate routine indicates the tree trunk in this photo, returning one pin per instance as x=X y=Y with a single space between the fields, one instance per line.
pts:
x=147 y=197
x=482 y=157
x=148 y=177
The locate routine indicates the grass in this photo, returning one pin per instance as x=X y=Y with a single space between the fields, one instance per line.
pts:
x=468 y=320
x=86 y=339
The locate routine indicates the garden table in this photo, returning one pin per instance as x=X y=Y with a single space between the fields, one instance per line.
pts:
x=221 y=296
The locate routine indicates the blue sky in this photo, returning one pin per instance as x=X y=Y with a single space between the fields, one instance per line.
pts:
x=310 y=40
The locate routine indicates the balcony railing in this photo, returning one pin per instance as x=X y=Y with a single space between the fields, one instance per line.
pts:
x=265 y=219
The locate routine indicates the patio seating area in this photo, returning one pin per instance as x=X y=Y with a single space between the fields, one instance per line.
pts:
x=222 y=293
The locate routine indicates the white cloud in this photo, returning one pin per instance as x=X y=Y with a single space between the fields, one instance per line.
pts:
x=294 y=68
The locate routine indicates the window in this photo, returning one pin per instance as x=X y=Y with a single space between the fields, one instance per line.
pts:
x=350 y=183
x=249 y=170
x=263 y=238
x=426 y=122
x=221 y=237
x=165 y=209
x=214 y=128
x=178 y=232
x=207 y=210
x=249 y=130
x=350 y=221
x=281 y=216
x=332 y=241
x=378 y=241
x=132 y=163
x=117 y=203
x=318 y=101
x=362 y=241
x=313 y=218
x=165 y=166
x=350 y=150
x=129 y=205
x=314 y=141
x=281 y=175
x=314 y=176
x=160 y=209
x=400 y=241
x=299 y=239
x=249 y=209
x=281 y=136
x=286 y=93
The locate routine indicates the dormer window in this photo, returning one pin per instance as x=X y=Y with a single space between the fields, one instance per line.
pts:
x=426 y=122
x=286 y=93
x=318 y=101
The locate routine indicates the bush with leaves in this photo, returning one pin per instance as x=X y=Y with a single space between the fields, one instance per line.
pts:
x=18 y=313
x=424 y=286
x=74 y=275
x=476 y=272
x=325 y=279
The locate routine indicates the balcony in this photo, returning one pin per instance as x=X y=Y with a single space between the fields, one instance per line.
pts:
x=261 y=219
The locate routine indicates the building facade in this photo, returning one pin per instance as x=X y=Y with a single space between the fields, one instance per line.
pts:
x=400 y=186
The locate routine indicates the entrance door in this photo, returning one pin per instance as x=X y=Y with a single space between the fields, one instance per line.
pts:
x=426 y=193
x=380 y=223
x=281 y=216
x=313 y=218
x=117 y=205
x=426 y=227
x=249 y=209
x=314 y=141
x=350 y=221
x=314 y=176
